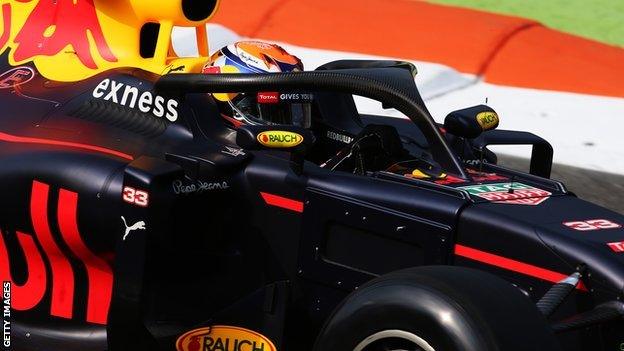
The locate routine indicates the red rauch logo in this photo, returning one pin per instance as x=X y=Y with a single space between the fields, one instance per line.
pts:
x=54 y=25
x=279 y=139
x=224 y=338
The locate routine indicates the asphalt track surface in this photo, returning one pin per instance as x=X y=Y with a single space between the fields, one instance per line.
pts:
x=604 y=189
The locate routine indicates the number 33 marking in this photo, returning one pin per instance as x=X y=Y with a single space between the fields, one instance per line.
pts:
x=135 y=196
x=592 y=224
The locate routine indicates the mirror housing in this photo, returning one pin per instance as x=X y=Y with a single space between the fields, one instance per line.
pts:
x=470 y=122
x=295 y=140
x=541 y=154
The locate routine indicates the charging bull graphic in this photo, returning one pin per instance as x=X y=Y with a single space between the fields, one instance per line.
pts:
x=42 y=35
x=70 y=40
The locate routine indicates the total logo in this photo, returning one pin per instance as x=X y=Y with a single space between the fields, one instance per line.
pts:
x=268 y=98
x=224 y=338
x=130 y=96
x=279 y=139
x=276 y=98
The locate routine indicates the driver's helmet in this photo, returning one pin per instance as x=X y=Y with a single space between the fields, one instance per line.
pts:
x=262 y=108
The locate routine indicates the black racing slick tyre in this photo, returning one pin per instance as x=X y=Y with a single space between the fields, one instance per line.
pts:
x=437 y=308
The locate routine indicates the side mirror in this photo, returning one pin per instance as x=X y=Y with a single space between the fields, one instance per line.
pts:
x=295 y=140
x=542 y=151
x=470 y=122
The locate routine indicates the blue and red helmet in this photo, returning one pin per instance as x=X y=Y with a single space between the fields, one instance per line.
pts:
x=262 y=108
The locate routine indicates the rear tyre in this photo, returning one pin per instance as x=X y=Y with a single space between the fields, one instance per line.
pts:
x=437 y=308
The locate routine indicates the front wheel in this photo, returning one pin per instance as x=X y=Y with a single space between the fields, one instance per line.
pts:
x=394 y=340
x=437 y=308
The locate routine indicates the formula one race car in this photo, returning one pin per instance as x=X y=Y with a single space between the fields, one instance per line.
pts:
x=135 y=219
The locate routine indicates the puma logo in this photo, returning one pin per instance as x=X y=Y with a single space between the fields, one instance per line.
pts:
x=140 y=225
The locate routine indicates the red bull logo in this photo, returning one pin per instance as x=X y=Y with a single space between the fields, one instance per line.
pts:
x=70 y=40
x=6 y=27
x=43 y=34
x=50 y=271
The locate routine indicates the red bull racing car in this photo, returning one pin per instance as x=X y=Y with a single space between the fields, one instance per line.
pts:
x=134 y=218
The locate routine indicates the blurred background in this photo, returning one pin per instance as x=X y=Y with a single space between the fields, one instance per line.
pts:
x=551 y=67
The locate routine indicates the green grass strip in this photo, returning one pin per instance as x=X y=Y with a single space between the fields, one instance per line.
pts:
x=601 y=20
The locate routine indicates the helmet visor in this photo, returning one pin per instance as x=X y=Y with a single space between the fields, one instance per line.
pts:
x=274 y=109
